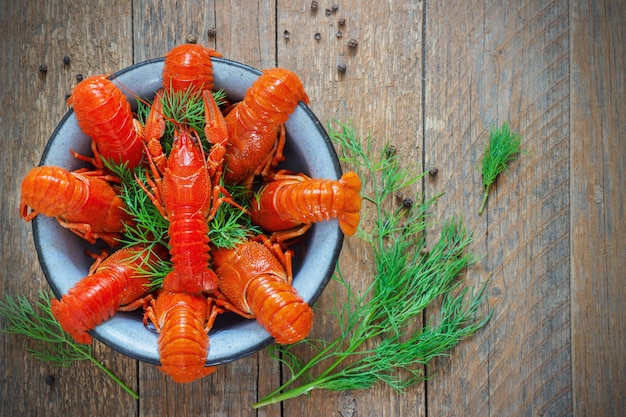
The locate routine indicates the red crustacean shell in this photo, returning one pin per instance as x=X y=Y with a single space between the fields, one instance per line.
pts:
x=252 y=278
x=183 y=342
x=104 y=114
x=113 y=284
x=81 y=201
x=253 y=124
x=292 y=200
x=189 y=65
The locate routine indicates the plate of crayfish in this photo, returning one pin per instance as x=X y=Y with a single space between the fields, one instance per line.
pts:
x=189 y=241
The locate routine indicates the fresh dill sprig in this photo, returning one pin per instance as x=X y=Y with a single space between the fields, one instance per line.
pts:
x=381 y=337
x=232 y=226
x=54 y=344
x=149 y=228
x=503 y=147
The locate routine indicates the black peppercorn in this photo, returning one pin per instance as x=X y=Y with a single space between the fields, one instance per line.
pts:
x=341 y=67
x=211 y=32
x=286 y=34
x=328 y=12
x=43 y=68
x=407 y=202
x=433 y=172
x=50 y=380
x=66 y=60
x=341 y=21
x=79 y=77
x=318 y=36
x=390 y=151
x=335 y=8
x=353 y=43
x=313 y=5
x=339 y=34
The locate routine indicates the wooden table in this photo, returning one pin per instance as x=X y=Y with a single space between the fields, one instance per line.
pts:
x=430 y=78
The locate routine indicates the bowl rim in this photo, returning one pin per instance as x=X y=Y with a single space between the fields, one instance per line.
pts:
x=257 y=337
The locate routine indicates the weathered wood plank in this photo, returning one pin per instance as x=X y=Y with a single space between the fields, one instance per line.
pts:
x=247 y=36
x=598 y=221
x=159 y=26
x=31 y=104
x=486 y=64
x=380 y=92
x=550 y=349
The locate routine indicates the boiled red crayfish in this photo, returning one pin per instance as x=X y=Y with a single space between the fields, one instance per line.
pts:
x=82 y=201
x=114 y=284
x=255 y=125
x=104 y=114
x=289 y=203
x=188 y=67
x=255 y=280
x=183 y=322
x=185 y=190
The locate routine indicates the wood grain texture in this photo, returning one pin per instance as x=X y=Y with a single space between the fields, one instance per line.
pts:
x=380 y=93
x=430 y=78
x=485 y=65
x=159 y=26
x=31 y=104
x=598 y=221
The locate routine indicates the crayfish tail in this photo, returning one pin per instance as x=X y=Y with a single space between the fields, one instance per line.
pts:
x=185 y=376
x=280 y=309
x=183 y=342
x=350 y=215
x=349 y=222
x=69 y=321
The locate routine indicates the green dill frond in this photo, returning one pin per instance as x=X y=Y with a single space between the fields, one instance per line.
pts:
x=407 y=279
x=54 y=345
x=503 y=147
x=149 y=228
x=232 y=226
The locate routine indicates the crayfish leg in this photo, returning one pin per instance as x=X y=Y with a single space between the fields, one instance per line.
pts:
x=213 y=309
x=84 y=231
x=155 y=194
x=284 y=174
x=149 y=313
x=284 y=235
x=96 y=161
x=284 y=256
x=133 y=305
x=223 y=302
x=217 y=201
x=25 y=214
x=275 y=156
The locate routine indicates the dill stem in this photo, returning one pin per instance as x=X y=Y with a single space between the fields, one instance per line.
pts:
x=275 y=396
x=113 y=377
x=278 y=396
x=292 y=393
x=482 y=206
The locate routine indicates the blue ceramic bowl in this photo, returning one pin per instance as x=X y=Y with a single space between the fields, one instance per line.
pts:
x=62 y=254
